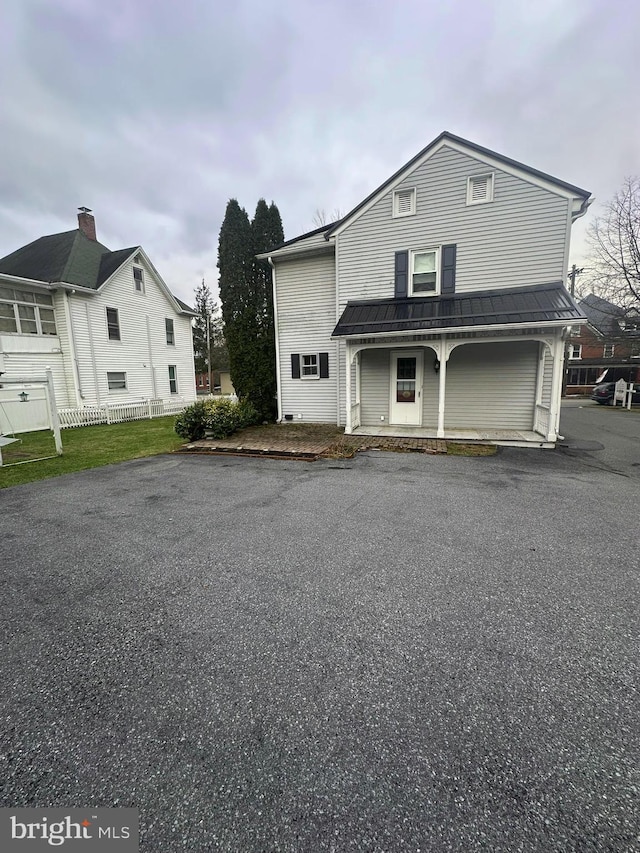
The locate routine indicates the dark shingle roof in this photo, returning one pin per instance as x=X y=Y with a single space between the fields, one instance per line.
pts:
x=110 y=262
x=185 y=307
x=602 y=315
x=525 y=305
x=70 y=257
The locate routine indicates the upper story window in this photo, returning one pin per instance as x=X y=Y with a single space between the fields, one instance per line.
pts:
x=404 y=202
x=113 y=324
x=25 y=313
x=575 y=351
x=168 y=326
x=608 y=350
x=138 y=279
x=480 y=189
x=424 y=273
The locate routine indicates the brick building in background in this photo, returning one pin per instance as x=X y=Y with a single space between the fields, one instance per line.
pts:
x=610 y=340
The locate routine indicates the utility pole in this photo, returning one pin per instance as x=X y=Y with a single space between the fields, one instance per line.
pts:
x=209 y=348
x=575 y=272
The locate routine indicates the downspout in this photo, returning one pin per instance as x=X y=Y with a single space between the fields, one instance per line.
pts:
x=93 y=356
x=277 y=337
x=154 y=390
x=75 y=367
x=336 y=269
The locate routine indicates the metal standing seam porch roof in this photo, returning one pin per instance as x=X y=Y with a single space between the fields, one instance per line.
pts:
x=547 y=303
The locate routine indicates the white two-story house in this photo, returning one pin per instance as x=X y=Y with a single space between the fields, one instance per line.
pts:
x=104 y=322
x=436 y=307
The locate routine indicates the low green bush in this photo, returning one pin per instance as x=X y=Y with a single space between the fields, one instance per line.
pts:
x=248 y=415
x=222 y=418
x=215 y=418
x=190 y=424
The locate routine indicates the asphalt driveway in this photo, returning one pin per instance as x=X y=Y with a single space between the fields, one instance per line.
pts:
x=395 y=653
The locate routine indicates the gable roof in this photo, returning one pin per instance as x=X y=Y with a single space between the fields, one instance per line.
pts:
x=445 y=136
x=71 y=258
x=604 y=316
x=310 y=242
x=538 y=305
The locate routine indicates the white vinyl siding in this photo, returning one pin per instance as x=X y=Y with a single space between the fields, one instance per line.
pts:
x=492 y=386
x=374 y=387
x=306 y=312
x=518 y=240
x=142 y=352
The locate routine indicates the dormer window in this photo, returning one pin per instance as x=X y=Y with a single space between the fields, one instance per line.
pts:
x=404 y=202
x=480 y=189
x=138 y=279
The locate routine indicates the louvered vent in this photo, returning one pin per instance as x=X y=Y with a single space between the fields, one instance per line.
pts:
x=404 y=202
x=480 y=189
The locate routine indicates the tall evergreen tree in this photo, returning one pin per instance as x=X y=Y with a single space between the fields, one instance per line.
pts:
x=209 y=349
x=247 y=301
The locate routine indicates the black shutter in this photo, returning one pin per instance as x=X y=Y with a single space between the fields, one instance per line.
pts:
x=402 y=274
x=295 y=366
x=448 y=280
x=324 y=365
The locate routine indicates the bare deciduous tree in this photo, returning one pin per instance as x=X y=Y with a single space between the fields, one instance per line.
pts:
x=321 y=218
x=614 y=242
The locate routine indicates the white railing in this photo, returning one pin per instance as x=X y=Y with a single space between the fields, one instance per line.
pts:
x=114 y=413
x=355 y=415
x=541 y=420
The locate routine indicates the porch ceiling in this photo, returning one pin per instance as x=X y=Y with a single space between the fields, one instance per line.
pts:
x=548 y=303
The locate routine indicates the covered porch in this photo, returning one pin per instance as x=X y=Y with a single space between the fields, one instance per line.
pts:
x=495 y=389
x=477 y=367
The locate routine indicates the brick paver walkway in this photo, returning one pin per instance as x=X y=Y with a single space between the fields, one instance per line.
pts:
x=313 y=448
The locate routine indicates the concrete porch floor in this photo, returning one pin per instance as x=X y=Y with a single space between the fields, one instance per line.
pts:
x=506 y=437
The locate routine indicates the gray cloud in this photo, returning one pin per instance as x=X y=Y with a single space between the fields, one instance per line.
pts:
x=156 y=113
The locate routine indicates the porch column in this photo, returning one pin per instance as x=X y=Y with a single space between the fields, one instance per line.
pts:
x=556 y=389
x=348 y=426
x=540 y=373
x=442 y=376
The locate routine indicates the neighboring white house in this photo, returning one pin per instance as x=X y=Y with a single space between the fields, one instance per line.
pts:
x=104 y=322
x=436 y=307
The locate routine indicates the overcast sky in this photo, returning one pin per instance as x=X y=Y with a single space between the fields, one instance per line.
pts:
x=155 y=112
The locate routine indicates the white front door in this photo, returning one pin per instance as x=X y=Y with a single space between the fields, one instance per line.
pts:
x=406 y=388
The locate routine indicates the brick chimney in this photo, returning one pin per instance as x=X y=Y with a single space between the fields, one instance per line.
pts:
x=86 y=223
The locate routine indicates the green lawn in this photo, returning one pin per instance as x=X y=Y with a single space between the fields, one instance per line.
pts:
x=86 y=447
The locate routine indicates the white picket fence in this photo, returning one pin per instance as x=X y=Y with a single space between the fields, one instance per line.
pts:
x=115 y=413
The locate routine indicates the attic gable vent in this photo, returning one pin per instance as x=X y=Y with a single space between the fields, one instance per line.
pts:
x=404 y=202
x=480 y=189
